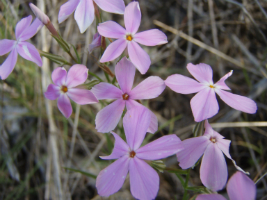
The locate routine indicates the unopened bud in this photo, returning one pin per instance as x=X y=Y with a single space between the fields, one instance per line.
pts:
x=158 y=165
x=95 y=43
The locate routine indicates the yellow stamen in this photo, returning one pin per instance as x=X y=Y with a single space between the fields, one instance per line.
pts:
x=64 y=89
x=125 y=96
x=129 y=37
x=211 y=86
x=213 y=140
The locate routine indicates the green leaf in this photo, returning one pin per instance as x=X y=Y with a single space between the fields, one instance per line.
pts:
x=55 y=58
x=81 y=172
x=176 y=171
x=77 y=55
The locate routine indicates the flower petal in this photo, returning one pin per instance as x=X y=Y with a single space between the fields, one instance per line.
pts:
x=106 y=91
x=108 y=118
x=67 y=9
x=59 y=76
x=224 y=146
x=31 y=30
x=221 y=84
x=153 y=126
x=111 y=179
x=136 y=122
x=64 y=105
x=139 y=57
x=238 y=102
x=151 y=37
x=161 y=148
x=114 y=50
x=8 y=65
x=81 y=96
x=112 y=6
x=132 y=17
x=120 y=148
x=77 y=75
x=182 y=84
x=95 y=43
x=204 y=104
x=52 y=92
x=6 y=46
x=193 y=150
x=202 y=72
x=29 y=52
x=210 y=197
x=84 y=14
x=213 y=169
x=149 y=88
x=144 y=180
x=125 y=72
x=111 y=29
x=241 y=187
x=23 y=24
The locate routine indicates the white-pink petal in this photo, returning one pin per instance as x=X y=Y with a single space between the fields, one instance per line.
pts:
x=151 y=37
x=238 y=102
x=204 y=104
x=81 y=96
x=210 y=197
x=213 y=169
x=31 y=30
x=125 y=72
x=106 y=91
x=59 y=76
x=132 y=17
x=202 y=72
x=111 y=29
x=6 y=46
x=114 y=50
x=120 y=149
x=8 y=65
x=64 y=105
x=29 y=52
x=224 y=146
x=108 y=118
x=241 y=187
x=111 y=179
x=144 y=180
x=182 y=84
x=161 y=148
x=67 y=9
x=221 y=83
x=77 y=75
x=23 y=24
x=52 y=92
x=112 y=6
x=84 y=14
x=149 y=88
x=193 y=150
x=139 y=57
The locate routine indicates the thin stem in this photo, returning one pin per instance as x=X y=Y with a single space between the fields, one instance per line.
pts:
x=72 y=57
x=186 y=183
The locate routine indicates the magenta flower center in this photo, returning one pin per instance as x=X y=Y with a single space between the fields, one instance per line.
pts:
x=64 y=89
x=125 y=96
x=132 y=154
x=212 y=139
x=129 y=37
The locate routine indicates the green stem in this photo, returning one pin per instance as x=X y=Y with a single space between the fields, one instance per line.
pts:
x=72 y=57
x=186 y=184
x=92 y=74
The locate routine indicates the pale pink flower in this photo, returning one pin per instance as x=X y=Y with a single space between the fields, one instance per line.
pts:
x=128 y=38
x=85 y=11
x=64 y=87
x=144 y=180
x=24 y=31
x=204 y=104
x=213 y=169
x=108 y=118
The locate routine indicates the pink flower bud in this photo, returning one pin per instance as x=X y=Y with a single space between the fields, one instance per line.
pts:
x=40 y=14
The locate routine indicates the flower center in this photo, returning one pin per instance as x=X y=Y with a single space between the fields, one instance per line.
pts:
x=132 y=154
x=129 y=37
x=64 y=89
x=125 y=96
x=213 y=140
x=212 y=86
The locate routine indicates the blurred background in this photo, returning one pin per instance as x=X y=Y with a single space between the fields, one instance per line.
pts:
x=38 y=143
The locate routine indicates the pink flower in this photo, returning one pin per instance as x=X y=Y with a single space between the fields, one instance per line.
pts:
x=24 y=31
x=129 y=38
x=108 y=117
x=204 y=104
x=144 y=180
x=213 y=169
x=85 y=11
x=239 y=187
x=64 y=88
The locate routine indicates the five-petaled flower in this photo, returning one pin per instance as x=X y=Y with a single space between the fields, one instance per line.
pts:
x=24 y=31
x=129 y=38
x=85 y=11
x=108 y=117
x=64 y=88
x=204 y=104
x=144 y=180
x=213 y=169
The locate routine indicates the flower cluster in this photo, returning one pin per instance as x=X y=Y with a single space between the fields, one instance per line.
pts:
x=138 y=120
